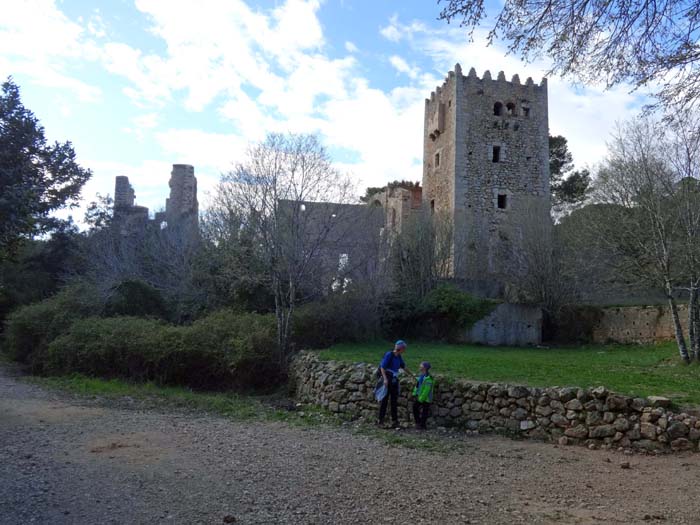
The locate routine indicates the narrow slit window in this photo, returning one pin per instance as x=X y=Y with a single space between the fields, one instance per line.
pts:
x=437 y=160
x=526 y=112
x=432 y=207
x=496 y=156
x=498 y=109
x=502 y=201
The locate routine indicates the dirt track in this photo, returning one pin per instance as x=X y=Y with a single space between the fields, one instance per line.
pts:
x=67 y=460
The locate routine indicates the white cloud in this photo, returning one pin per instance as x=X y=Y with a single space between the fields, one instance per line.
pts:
x=391 y=32
x=402 y=66
x=350 y=47
x=38 y=40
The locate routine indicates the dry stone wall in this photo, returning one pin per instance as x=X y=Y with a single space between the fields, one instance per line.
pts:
x=637 y=324
x=588 y=416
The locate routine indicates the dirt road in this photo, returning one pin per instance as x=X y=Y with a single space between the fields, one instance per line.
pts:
x=67 y=460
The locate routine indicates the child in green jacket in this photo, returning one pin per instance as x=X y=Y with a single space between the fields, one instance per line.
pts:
x=423 y=394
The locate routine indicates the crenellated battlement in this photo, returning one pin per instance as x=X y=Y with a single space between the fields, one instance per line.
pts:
x=486 y=81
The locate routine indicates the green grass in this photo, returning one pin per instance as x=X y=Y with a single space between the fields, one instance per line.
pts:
x=227 y=404
x=630 y=369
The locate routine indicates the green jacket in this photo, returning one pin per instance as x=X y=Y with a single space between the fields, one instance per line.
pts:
x=423 y=391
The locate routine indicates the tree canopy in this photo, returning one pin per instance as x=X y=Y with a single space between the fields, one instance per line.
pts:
x=568 y=186
x=642 y=42
x=36 y=178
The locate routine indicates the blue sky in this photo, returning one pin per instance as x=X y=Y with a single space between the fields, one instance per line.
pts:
x=138 y=85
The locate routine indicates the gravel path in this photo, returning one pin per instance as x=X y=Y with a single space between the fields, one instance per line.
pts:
x=67 y=460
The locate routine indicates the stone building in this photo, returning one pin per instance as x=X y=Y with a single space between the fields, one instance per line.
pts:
x=181 y=208
x=486 y=169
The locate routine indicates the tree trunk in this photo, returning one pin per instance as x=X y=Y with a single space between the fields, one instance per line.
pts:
x=694 y=320
x=678 y=329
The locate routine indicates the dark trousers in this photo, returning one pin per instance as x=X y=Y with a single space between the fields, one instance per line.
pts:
x=393 y=394
x=421 y=411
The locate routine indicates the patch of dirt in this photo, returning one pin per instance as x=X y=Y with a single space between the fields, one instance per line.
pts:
x=64 y=462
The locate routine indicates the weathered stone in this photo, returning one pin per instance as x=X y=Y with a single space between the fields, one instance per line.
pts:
x=677 y=430
x=496 y=391
x=617 y=402
x=659 y=401
x=648 y=430
x=681 y=444
x=647 y=444
x=564 y=441
x=518 y=392
x=618 y=436
x=579 y=431
x=544 y=410
x=573 y=404
x=638 y=404
x=566 y=394
x=557 y=406
x=559 y=420
x=601 y=432
x=543 y=401
x=662 y=422
x=570 y=414
x=519 y=413
x=634 y=434
x=333 y=406
x=621 y=424
x=593 y=418
x=456 y=412
x=600 y=392
x=358 y=377
x=694 y=434
x=523 y=402
x=475 y=405
x=608 y=417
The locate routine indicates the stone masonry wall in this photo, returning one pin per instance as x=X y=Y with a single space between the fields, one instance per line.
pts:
x=637 y=324
x=568 y=415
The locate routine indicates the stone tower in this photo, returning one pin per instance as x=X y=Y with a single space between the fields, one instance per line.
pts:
x=486 y=168
x=182 y=203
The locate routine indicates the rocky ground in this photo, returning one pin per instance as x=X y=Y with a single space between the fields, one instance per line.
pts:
x=70 y=460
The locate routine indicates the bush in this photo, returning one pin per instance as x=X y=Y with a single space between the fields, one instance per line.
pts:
x=135 y=298
x=347 y=317
x=223 y=350
x=442 y=313
x=30 y=329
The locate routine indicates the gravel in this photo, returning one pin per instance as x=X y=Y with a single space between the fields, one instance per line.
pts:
x=79 y=460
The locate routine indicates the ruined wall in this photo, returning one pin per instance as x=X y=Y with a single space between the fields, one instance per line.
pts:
x=486 y=167
x=590 y=416
x=637 y=324
x=182 y=203
x=399 y=205
x=508 y=325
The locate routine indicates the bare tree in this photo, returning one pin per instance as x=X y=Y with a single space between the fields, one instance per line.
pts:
x=641 y=224
x=643 y=42
x=291 y=205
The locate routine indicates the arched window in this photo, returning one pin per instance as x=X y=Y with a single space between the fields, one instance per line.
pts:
x=498 y=109
x=511 y=109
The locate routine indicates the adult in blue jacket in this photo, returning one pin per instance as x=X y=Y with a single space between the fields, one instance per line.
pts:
x=389 y=368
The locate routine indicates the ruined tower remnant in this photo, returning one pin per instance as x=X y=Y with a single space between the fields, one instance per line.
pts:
x=182 y=203
x=486 y=169
x=123 y=193
x=181 y=208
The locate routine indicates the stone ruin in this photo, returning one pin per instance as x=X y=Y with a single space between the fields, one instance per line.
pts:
x=181 y=208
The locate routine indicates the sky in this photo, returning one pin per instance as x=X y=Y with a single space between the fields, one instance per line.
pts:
x=139 y=85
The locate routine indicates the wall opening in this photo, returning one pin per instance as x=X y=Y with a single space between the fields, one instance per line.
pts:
x=526 y=112
x=393 y=217
x=496 y=154
x=498 y=109
x=432 y=207
x=511 y=109
x=502 y=201
x=437 y=160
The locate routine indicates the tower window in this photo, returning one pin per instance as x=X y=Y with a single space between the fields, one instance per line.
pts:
x=496 y=156
x=526 y=112
x=393 y=218
x=498 y=109
x=511 y=109
x=432 y=207
x=437 y=160
x=502 y=201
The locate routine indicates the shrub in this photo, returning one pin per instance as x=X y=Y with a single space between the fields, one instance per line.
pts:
x=441 y=314
x=347 y=317
x=30 y=329
x=223 y=350
x=135 y=298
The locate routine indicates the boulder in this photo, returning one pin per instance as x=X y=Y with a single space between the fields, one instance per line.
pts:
x=659 y=401
x=573 y=404
x=518 y=391
x=579 y=431
x=677 y=430
x=617 y=402
x=602 y=431
x=647 y=431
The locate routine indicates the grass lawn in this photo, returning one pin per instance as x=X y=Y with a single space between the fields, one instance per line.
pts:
x=629 y=369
